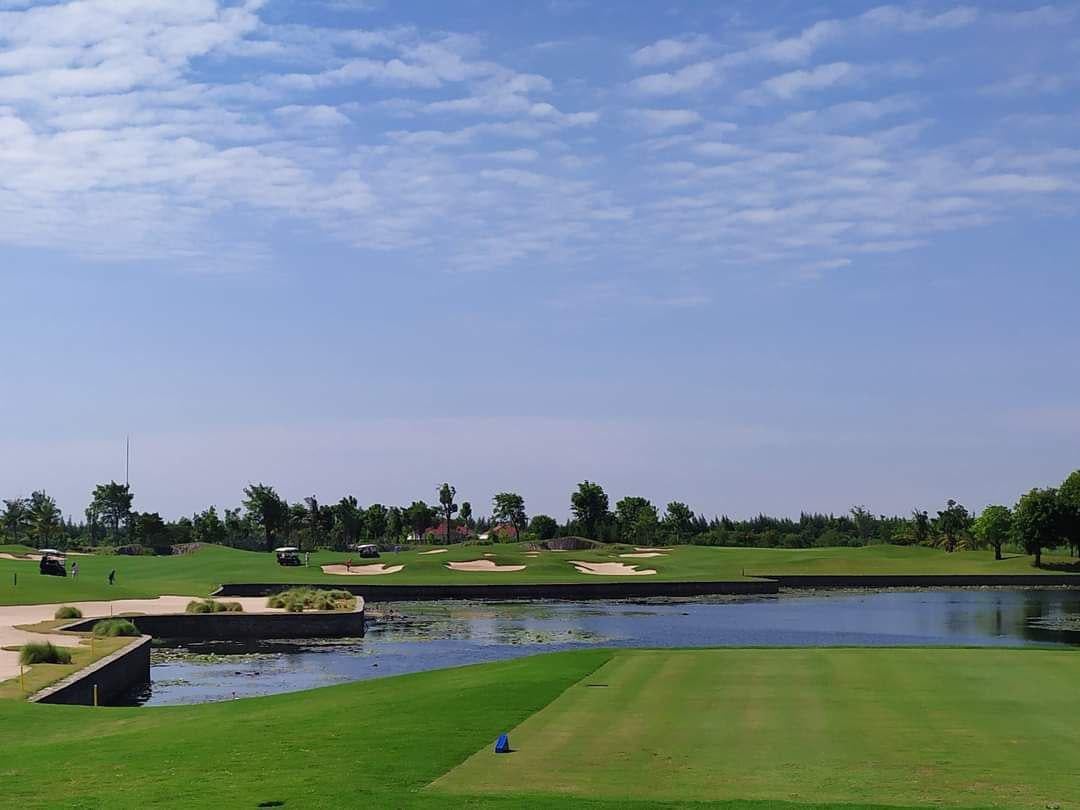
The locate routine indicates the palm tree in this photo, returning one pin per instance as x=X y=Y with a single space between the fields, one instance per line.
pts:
x=15 y=518
x=265 y=509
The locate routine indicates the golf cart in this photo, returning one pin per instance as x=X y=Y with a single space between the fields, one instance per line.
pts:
x=53 y=563
x=368 y=550
x=288 y=555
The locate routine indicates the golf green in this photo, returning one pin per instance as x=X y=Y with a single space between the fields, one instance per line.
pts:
x=892 y=726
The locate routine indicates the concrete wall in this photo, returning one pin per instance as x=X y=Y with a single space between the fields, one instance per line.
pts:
x=926 y=580
x=235 y=626
x=567 y=592
x=113 y=675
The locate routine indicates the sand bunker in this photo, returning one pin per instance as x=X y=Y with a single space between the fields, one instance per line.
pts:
x=644 y=554
x=482 y=565
x=5 y=556
x=641 y=548
x=613 y=569
x=435 y=551
x=362 y=570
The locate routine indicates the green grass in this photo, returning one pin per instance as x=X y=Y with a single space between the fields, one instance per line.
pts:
x=754 y=728
x=43 y=652
x=297 y=600
x=936 y=727
x=200 y=573
x=41 y=675
x=112 y=628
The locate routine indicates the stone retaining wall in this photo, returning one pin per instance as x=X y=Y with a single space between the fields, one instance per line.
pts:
x=924 y=580
x=236 y=626
x=113 y=675
x=566 y=592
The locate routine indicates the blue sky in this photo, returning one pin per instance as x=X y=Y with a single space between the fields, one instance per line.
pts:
x=754 y=256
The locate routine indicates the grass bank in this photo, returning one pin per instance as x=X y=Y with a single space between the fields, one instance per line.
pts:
x=200 y=573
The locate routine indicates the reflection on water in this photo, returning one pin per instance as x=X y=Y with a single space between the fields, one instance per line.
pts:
x=409 y=637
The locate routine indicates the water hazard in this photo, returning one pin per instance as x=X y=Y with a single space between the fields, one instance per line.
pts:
x=409 y=637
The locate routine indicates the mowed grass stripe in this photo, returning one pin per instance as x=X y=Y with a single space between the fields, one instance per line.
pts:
x=889 y=726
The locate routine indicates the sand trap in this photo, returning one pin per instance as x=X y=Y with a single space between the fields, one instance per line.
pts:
x=639 y=548
x=29 y=557
x=12 y=615
x=613 y=569
x=482 y=565
x=642 y=554
x=488 y=554
x=362 y=570
x=532 y=553
x=434 y=551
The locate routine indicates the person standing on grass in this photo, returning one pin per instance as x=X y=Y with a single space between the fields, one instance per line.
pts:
x=348 y=565
x=307 y=559
x=112 y=576
x=74 y=570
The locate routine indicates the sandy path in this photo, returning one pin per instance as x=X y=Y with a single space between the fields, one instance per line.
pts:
x=612 y=569
x=12 y=615
x=643 y=554
x=362 y=570
x=434 y=551
x=483 y=565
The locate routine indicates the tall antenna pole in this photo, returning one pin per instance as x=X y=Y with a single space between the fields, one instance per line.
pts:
x=127 y=461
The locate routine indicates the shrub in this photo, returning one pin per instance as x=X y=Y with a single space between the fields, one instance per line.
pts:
x=297 y=600
x=44 y=652
x=67 y=612
x=213 y=606
x=108 y=628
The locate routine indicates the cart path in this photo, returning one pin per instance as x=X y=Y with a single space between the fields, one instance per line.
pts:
x=12 y=615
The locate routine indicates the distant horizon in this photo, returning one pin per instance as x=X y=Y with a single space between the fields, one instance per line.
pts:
x=757 y=257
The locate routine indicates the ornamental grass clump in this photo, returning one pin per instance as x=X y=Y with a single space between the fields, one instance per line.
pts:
x=297 y=600
x=67 y=612
x=109 y=628
x=43 y=652
x=213 y=606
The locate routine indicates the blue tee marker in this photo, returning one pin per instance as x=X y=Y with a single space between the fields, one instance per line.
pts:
x=502 y=745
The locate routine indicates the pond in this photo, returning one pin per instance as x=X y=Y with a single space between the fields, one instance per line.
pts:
x=409 y=637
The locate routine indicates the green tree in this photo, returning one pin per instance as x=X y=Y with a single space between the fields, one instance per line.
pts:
x=314 y=521
x=952 y=522
x=466 y=515
x=544 y=527
x=993 y=527
x=1037 y=522
x=348 y=523
x=678 y=522
x=590 y=508
x=637 y=521
x=920 y=527
x=1069 y=500
x=266 y=511
x=395 y=523
x=447 y=506
x=112 y=501
x=150 y=529
x=418 y=517
x=45 y=519
x=509 y=507
x=15 y=518
x=377 y=522
x=206 y=527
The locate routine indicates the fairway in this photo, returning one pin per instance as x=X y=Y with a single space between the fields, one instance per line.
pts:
x=198 y=574
x=901 y=726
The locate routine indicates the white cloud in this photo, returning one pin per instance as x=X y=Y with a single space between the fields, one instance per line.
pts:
x=315 y=115
x=691 y=77
x=788 y=85
x=654 y=121
x=668 y=50
x=1047 y=16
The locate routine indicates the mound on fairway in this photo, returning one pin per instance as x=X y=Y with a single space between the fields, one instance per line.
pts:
x=483 y=565
x=936 y=727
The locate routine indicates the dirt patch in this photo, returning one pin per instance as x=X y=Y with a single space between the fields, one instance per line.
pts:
x=483 y=565
x=362 y=570
x=612 y=569
x=434 y=551
x=642 y=554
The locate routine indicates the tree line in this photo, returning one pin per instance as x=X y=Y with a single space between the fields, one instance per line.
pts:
x=1041 y=519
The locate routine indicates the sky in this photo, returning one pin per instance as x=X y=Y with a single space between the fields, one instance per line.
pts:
x=754 y=256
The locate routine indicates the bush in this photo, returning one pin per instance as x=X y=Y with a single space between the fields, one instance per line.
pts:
x=213 y=606
x=108 y=628
x=68 y=612
x=297 y=600
x=44 y=652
